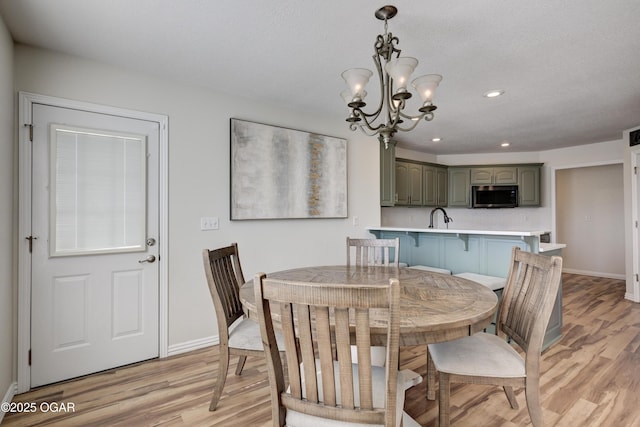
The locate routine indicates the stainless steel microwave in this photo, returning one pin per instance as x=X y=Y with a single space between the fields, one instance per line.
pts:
x=494 y=196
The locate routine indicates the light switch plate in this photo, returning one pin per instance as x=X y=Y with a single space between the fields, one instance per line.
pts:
x=209 y=223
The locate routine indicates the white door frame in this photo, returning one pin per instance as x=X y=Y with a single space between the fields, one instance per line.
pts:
x=635 y=244
x=25 y=102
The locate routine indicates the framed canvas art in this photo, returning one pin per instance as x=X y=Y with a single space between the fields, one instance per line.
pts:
x=279 y=173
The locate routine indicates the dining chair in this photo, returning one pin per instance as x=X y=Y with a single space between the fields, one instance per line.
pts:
x=383 y=252
x=527 y=301
x=239 y=335
x=374 y=252
x=326 y=386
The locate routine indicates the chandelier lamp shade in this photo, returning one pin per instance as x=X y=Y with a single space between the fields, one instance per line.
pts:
x=394 y=73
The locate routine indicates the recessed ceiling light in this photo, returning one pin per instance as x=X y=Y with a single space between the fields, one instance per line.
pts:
x=436 y=139
x=493 y=93
x=504 y=144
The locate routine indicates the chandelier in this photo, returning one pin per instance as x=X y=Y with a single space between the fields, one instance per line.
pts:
x=393 y=79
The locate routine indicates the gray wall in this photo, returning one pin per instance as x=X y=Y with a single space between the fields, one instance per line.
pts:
x=199 y=177
x=7 y=282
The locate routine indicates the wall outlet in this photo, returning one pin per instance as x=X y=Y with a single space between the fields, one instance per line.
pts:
x=209 y=223
x=356 y=221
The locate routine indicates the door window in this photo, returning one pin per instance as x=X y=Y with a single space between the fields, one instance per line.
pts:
x=98 y=191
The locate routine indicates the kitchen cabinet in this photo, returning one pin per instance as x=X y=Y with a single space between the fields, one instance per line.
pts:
x=497 y=175
x=459 y=187
x=413 y=183
x=435 y=185
x=529 y=185
x=408 y=184
x=387 y=174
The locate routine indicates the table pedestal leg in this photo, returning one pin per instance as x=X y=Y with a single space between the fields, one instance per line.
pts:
x=431 y=378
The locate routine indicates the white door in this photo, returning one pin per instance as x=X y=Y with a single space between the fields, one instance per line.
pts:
x=94 y=301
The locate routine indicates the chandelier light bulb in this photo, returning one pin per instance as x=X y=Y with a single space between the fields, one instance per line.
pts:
x=357 y=79
x=352 y=101
x=400 y=70
x=426 y=86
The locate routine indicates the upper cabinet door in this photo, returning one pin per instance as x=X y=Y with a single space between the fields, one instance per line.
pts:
x=429 y=181
x=442 y=186
x=459 y=191
x=529 y=186
x=505 y=175
x=481 y=176
x=402 y=183
x=415 y=184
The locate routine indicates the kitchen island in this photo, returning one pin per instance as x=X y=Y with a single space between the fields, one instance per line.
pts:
x=486 y=252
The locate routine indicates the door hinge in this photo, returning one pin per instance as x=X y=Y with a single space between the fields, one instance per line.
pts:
x=636 y=277
x=29 y=357
x=635 y=170
x=30 y=126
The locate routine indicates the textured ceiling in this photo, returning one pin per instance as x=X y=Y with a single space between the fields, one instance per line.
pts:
x=570 y=69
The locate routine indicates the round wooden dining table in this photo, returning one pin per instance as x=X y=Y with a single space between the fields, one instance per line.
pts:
x=434 y=307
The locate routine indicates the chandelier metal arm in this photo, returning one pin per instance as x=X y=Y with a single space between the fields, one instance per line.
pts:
x=368 y=122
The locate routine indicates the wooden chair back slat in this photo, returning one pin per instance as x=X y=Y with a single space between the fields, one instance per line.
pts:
x=323 y=337
x=363 y=341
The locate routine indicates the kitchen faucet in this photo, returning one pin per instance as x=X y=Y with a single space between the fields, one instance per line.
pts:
x=447 y=218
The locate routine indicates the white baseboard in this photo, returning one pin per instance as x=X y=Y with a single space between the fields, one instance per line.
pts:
x=193 y=345
x=631 y=297
x=595 y=273
x=8 y=397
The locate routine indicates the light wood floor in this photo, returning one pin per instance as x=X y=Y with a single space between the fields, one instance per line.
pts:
x=591 y=377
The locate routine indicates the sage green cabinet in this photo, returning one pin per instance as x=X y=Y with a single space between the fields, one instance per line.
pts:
x=387 y=174
x=435 y=185
x=408 y=184
x=529 y=185
x=459 y=187
x=499 y=175
x=413 y=183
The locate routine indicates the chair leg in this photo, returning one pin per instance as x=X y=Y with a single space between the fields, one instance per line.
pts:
x=431 y=378
x=444 y=391
x=532 y=392
x=223 y=366
x=511 y=397
x=240 y=366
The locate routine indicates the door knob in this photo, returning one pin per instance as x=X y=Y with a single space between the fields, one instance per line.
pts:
x=150 y=258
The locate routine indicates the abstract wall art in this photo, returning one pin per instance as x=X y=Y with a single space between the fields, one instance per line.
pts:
x=279 y=173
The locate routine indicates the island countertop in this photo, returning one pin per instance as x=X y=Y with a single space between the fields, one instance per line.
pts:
x=462 y=231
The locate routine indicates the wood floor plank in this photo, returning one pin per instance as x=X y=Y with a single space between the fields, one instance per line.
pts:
x=589 y=378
